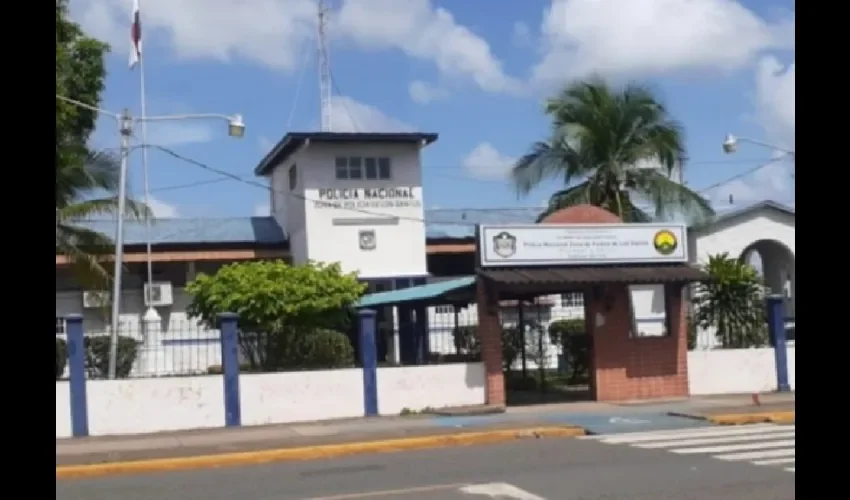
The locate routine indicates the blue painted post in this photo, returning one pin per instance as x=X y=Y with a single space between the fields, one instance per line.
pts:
x=776 y=330
x=77 y=375
x=420 y=335
x=230 y=368
x=369 y=360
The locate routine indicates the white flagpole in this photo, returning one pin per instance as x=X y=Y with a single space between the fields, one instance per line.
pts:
x=146 y=177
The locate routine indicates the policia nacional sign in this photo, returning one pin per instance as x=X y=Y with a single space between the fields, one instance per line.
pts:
x=367 y=198
x=567 y=244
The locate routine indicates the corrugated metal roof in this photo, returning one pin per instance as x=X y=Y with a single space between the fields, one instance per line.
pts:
x=586 y=275
x=458 y=289
x=251 y=230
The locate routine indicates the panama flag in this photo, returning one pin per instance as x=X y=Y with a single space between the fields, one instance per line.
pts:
x=135 y=36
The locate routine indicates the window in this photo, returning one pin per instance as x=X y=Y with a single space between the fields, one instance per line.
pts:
x=358 y=168
x=293 y=177
x=60 y=326
x=573 y=299
x=444 y=310
x=648 y=305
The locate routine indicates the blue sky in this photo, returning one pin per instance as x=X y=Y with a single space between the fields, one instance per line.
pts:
x=476 y=76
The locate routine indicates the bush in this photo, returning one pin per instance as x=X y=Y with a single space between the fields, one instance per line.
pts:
x=570 y=334
x=732 y=303
x=325 y=349
x=465 y=339
x=467 y=343
x=97 y=356
x=61 y=357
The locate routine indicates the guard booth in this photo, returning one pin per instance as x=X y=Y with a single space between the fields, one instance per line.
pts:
x=587 y=249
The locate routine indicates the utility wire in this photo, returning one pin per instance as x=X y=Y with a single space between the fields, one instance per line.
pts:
x=266 y=187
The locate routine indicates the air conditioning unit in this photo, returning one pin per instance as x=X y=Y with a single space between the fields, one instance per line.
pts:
x=94 y=299
x=158 y=294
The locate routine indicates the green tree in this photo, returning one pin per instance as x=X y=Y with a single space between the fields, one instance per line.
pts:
x=732 y=303
x=613 y=149
x=80 y=75
x=85 y=179
x=281 y=308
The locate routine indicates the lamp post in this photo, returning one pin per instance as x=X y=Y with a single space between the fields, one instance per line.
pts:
x=235 y=128
x=730 y=145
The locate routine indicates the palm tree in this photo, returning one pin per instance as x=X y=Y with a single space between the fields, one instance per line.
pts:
x=613 y=149
x=78 y=187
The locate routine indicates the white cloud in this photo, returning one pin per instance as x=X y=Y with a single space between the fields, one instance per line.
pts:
x=775 y=100
x=426 y=32
x=772 y=182
x=268 y=32
x=262 y=210
x=161 y=209
x=350 y=115
x=273 y=33
x=486 y=162
x=423 y=92
x=646 y=37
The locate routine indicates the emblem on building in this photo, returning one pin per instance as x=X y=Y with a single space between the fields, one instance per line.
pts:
x=367 y=240
x=665 y=242
x=504 y=244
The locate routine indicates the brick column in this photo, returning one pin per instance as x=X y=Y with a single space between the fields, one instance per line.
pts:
x=490 y=336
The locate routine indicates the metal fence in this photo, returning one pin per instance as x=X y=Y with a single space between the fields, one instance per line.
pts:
x=181 y=348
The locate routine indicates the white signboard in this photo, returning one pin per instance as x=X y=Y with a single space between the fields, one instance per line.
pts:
x=581 y=244
x=367 y=198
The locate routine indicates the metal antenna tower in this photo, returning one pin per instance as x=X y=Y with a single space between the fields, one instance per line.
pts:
x=324 y=68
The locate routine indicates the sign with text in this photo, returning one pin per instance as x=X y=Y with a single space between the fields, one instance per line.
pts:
x=367 y=198
x=581 y=244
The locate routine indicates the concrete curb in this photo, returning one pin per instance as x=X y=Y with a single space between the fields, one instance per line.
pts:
x=314 y=452
x=773 y=417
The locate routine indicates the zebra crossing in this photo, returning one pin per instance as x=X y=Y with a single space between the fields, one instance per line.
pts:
x=761 y=444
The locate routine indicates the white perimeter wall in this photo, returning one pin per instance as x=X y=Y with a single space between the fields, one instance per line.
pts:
x=728 y=371
x=430 y=386
x=138 y=406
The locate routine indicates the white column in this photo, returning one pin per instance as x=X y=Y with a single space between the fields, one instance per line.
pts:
x=151 y=352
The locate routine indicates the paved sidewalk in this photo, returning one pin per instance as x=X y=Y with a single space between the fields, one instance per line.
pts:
x=95 y=450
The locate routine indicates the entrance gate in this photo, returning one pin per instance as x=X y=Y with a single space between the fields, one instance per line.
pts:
x=633 y=277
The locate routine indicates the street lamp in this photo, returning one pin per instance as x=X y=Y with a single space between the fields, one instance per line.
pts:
x=730 y=145
x=236 y=128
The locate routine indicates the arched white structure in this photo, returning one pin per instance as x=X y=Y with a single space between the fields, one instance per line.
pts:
x=767 y=228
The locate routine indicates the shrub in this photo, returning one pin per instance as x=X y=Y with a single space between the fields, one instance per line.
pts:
x=570 y=334
x=465 y=339
x=732 y=303
x=326 y=349
x=61 y=357
x=97 y=356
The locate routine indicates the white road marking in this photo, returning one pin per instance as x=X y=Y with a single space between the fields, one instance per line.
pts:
x=700 y=432
x=756 y=455
x=715 y=440
x=735 y=447
x=499 y=490
x=764 y=444
x=775 y=461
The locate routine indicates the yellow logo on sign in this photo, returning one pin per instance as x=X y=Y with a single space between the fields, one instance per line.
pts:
x=665 y=242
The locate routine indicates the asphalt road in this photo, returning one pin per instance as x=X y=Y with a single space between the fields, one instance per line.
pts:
x=545 y=469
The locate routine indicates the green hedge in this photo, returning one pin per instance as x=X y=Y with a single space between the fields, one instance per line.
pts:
x=97 y=356
x=61 y=357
